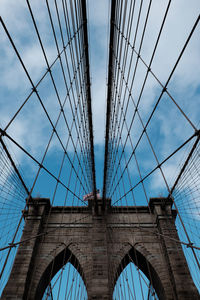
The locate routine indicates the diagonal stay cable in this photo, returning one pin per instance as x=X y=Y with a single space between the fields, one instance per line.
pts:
x=11 y=245
x=161 y=163
x=160 y=83
x=114 y=153
x=62 y=38
x=151 y=60
x=184 y=165
x=74 y=54
x=38 y=83
x=164 y=178
x=122 y=70
x=81 y=79
x=135 y=37
x=109 y=92
x=13 y=164
x=89 y=107
x=163 y=91
x=35 y=90
x=38 y=163
x=81 y=75
x=128 y=33
x=51 y=75
x=128 y=130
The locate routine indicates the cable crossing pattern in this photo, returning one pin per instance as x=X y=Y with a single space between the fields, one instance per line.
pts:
x=47 y=139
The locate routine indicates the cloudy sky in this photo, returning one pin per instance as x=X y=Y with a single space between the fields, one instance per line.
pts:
x=30 y=128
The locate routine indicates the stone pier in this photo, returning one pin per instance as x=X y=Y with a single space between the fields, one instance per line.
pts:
x=100 y=246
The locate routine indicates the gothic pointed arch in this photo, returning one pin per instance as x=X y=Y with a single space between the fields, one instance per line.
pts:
x=146 y=266
x=62 y=258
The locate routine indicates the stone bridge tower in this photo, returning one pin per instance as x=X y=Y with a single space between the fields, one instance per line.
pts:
x=92 y=242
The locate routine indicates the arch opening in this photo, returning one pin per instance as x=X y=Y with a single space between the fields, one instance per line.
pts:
x=133 y=284
x=136 y=278
x=66 y=284
x=62 y=279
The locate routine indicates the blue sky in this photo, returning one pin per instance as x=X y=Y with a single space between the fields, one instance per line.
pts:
x=184 y=86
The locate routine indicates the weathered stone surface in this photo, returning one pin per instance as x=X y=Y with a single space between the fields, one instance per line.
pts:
x=100 y=247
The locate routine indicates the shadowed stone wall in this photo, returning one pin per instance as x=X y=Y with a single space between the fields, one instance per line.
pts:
x=100 y=247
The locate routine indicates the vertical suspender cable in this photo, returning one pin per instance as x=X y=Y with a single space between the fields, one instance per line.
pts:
x=88 y=95
x=109 y=95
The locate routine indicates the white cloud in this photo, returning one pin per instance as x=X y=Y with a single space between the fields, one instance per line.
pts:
x=180 y=20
